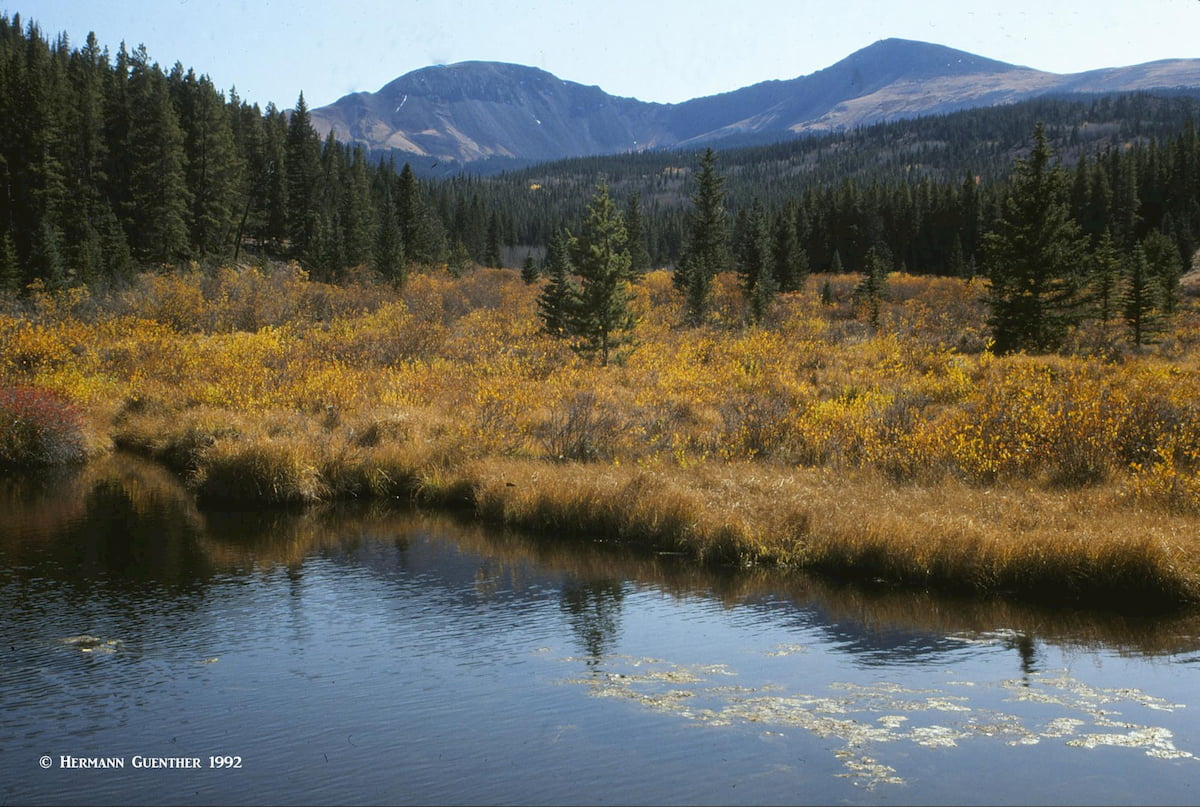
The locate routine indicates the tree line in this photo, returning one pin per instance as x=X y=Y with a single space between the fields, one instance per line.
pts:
x=1051 y=267
x=111 y=163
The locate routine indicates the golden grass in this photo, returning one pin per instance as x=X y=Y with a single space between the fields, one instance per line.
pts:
x=910 y=454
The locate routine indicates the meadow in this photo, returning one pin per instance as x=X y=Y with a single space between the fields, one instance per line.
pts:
x=906 y=453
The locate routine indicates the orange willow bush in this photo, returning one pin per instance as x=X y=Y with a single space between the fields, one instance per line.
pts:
x=451 y=369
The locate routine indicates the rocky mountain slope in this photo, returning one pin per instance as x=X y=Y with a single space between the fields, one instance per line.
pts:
x=473 y=111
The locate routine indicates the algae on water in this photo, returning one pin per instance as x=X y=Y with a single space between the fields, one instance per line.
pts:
x=864 y=716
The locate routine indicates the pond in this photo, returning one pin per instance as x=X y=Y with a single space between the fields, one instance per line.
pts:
x=151 y=652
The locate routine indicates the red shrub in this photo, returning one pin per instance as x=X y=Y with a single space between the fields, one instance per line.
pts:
x=38 y=427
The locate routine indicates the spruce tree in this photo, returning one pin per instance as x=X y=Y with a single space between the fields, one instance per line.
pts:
x=388 y=253
x=422 y=234
x=1104 y=282
x=1034 y=257
x=159 y=200
x=214 y=168
x=491 y=256
x=459 y=261
x=755 y=267
x=602 y=317
x=790 y=259
x=1166 y=265
x=639 y=256
x=275 y=159
x=529 y=270
x=356 y=211
x=872 y=289
x=706 y=250
x=1143 y=293
x=302 y=164
x=557 y=300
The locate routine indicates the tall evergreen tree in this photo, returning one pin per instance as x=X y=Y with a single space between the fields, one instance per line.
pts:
x=529 y=270
x=356 y=211
x=790 y=259
x=421 y=232
x=1106 y=268
x=302 y=164
x=388 y=255
x=1166 y=266
x=639 y=255
x=276 y=214
x=755 y=266
x=706 y=251
x=214 y=168
x=1034 y=257
x=1142 y=296
x=159 y=200
x=558 y=298
x=602 y=316
x=492 y=256
x=873 y=287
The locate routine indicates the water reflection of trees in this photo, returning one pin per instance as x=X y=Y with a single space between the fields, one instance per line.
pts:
x=593 y=609
x=124 y=518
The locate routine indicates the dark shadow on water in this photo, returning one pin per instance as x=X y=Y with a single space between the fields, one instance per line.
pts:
x=125 y=524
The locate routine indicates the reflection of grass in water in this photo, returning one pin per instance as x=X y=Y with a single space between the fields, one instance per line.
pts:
x=862 y=716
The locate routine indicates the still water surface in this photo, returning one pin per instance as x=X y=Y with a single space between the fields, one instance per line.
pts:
x=371 y=655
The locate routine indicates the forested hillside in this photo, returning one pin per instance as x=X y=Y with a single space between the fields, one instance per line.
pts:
x=110 y=163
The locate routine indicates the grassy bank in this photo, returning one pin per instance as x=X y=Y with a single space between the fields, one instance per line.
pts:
x=908 y=454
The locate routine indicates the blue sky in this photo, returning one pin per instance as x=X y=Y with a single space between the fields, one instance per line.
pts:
x=665 y=51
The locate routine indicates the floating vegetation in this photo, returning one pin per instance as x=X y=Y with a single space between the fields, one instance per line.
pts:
x=86 y=643
x=863 y=716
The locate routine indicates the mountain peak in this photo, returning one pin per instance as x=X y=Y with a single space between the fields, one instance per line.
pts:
x=477 y=110
x=910 y=59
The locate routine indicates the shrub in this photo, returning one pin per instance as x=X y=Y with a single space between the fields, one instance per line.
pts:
x=38 y=428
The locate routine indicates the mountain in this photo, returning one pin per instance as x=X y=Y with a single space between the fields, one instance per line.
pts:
x=477 y=111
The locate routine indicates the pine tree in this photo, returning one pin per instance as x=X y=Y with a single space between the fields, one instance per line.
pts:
x=459 y=261
x=214 y=168
x=1166 y=265
x=1141 y=298
x=275 y=159
x=388 y=254
x=873 y=287
x=1034 y=256
x=755 y=267
x=826 y=295
x=791 y=261
x=421 y=233
x=356 y=212
x=705 y=253
x=529 y=270
x=491 y=256
x=558 y=297
x=87 y=211
x=835 y=264
x=302 y=163
x=639 y=256
x=159 y=200
x=1106 y=268
x=602 y=316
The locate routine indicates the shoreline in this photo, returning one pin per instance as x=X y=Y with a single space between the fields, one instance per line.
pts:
x=907 y=453
x=952 y=538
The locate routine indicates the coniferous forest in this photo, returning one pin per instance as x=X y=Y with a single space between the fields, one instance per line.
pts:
x=110 y=162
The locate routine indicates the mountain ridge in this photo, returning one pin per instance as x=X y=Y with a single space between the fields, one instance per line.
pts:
x=475 y=111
